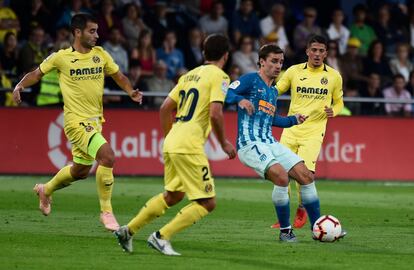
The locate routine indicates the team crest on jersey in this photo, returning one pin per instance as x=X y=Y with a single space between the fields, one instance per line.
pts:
x=96 y=59
x=209 y=188
x=324 y=81
x=87 y=126
x=234 y=84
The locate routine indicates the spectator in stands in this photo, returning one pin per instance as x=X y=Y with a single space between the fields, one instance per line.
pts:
x=401 y=64
x=305 y=29
x=273 y=27
x=62 y=35
x=376 y=62
x=333 y=59
x=9 y=56
x=75 y=7
x=33 y=52
x=172 y=56
x=411 y=30
x=145 y=53
x=234 y=73
x=388 y=33
x=193 y=54
x=157 y=21
x=360 y=30
x=182 y=19
x=410 y=84
x=159 y=82
x=337 y=30
x=134 y=76
x=397 y=90
x=214 y=22
x=132 y=25
x=114 y=48
x=351 y=63
x=38 y=14
x=246 y=57
x=245 y=22
x=107 y=19
x=351 y=90
x=8 y=21
x=372 y=90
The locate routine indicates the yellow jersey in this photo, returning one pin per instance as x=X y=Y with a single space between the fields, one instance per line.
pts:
x=193 y=94
x=311 y=90
x=81 y=80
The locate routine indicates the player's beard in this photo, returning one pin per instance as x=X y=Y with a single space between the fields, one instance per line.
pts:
x=88 y=45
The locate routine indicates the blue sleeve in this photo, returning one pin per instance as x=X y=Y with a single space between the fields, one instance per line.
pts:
x=237 y=90
x=284 y=122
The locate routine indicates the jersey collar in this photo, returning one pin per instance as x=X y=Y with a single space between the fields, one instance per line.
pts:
x=306 y=67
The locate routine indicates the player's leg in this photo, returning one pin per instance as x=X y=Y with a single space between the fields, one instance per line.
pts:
x=154 y=207
x=292 y=144
x=100 y=150
x=308 y=191
x=198 y=184
x=62 y=179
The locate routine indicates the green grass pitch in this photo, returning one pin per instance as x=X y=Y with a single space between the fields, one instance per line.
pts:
x=379 y=218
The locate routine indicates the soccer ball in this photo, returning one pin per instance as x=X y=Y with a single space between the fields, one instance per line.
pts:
x=327 y=229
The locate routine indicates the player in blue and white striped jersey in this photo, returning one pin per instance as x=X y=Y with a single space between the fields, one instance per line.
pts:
x=256 y=97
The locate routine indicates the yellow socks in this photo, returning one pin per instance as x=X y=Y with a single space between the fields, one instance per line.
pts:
x=189 y=215
x=104 y=182
x=62 y=179
x=154 y=208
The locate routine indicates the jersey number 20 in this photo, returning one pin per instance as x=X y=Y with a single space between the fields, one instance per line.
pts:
x=184 y=98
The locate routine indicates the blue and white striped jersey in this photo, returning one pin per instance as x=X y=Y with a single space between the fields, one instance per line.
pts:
x=258 y=126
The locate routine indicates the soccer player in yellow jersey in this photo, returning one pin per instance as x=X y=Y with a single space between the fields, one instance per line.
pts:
x=81 y=70
x=316 y=91
x=198 y=101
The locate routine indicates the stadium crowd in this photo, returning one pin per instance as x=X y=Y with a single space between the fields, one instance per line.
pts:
x=154 y=42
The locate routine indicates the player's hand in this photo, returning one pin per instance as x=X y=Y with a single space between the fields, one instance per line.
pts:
x=329 y=112
x=136 y=96
x=16 y=94
x=301 y=118
x=247 y=105
x=229 y=149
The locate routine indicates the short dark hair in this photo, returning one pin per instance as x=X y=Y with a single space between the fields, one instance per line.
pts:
x=80 y=20
x=215 y=46
x=397 y=76
x=267 y=49
x=317 y=39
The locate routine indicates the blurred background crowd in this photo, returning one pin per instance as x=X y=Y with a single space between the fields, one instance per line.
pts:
x=371 y=43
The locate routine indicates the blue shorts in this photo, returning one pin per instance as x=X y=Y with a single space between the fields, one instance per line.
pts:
x=260 y=156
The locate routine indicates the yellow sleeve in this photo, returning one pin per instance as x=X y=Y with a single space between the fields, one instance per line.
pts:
x=49 y=63
x=337 y=94
x=219 y=86
x=110 y=66
x=283 y=85
x=175 y=92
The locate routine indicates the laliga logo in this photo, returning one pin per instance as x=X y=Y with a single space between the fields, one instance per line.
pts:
x=56 y=141
x=54 y=138
x=213 y=149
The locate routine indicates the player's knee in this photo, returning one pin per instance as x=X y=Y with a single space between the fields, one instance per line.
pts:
x=107 y=159
x=209 y=204
x=306 y=177
x=172 y=198
x=80 y=174
x=277 y=176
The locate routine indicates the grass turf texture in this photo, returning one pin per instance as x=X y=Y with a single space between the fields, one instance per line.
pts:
x=379 y=218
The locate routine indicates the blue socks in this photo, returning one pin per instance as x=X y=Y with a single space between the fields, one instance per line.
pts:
x=310 y=201
x=280 y=198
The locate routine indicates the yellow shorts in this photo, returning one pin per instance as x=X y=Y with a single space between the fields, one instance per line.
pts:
x=189 y=173
x=306 y=148
x=80 y=133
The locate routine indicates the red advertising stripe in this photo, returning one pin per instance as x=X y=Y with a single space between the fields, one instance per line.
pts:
x=32 y=141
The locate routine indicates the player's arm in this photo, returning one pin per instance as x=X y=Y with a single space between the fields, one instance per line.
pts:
x=288 y=121
x=337 y=100
x=235 y=94
x=283 y=85
x=166 y=115
x=123 y=82
x=29 y=79
x=217 y=124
